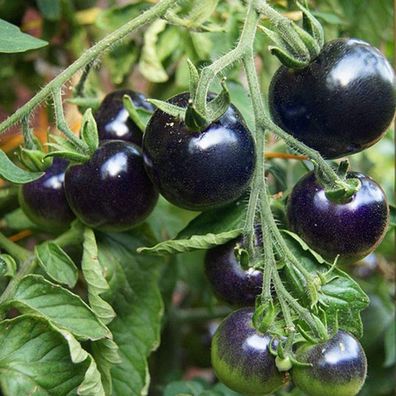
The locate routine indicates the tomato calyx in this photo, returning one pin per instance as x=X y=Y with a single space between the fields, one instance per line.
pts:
x=295 y=47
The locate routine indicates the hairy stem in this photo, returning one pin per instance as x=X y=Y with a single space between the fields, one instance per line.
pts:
x=244 y=45
x=86 y=58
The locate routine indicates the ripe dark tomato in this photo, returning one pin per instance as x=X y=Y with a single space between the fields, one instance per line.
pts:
x=341 y=103
x=352 y=229
x=339 y=367
x=199 y=170
x=241 y=357
x=44 y=200
x=113 y=120
x=232 y=283
x=111 y=191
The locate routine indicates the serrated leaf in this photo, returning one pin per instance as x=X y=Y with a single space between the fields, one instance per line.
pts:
x=196 y=242
x=34 y=294
x=56 y=263
x=50 y=9
x=114 y=17
x=92 y=383
x=12 y=40
x=89 y=131
x=150 y=65
x=302 y=243
x=105 y=353
x=7 y=265
x=136 y=299
x=94 y=277
x=201 y=11
x=30 y=350
x=211 y=228
x=341 y=297
x=9 y=171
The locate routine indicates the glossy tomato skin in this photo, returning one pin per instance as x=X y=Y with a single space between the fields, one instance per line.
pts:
x=341 y=103
x=352 y=229
x=232 y=283
x=111 y=192
x=339 y=367
x=241 y=357
x=113 y=120
x=199 y=170
x=44 y=200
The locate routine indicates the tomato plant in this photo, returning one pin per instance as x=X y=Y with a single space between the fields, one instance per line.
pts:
x=120 y=121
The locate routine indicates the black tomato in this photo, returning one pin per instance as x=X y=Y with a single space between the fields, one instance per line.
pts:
x=230 y=281
x=113 y=120
x=241 y=357
x=352 y=229
x=199 y=170
x=339 y=367
x=111 y=191
x=44 y=200
x=341 y=103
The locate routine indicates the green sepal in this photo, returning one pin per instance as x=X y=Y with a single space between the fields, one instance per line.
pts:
x=219 y=105
x=12 y=173
x=310 y=43
x=89 y=131
x=8 y=266
x=343 y=169
x=72 y=156
x=133 y=112
x=168 y=108
x=342 y=193
x=85 y=103
x=33 y=159
x=312 y=25
x=194 y=78
x=264 y=316
x=194 y=120
x=286 y=59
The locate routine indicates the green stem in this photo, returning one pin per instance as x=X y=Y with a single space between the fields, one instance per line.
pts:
x=13 y=249
x=304 y=313
x=73 y=236
x=86 y=58
x=244 y=45
x=62 y=124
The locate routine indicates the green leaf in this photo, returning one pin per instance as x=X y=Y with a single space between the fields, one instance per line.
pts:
x=9 y=171
x=17 y=220
x=120 y=61
x=113 y=18
x=50 y=9
x=72 y=156
x=12 y=40
x=134 y=113
x=56 y=263
x=208 y=229
x=136 y=299
x=341 y=297
x=61 y=307
x=302 y=243
x=201 y=11
x=89 y=131
x=390 y=345
x=150 y=65
x=190 y=388
x=7 y=266
x=92 y=383
x=392 y=217
x=105 y=353
x=94 y=277
x=30 y=350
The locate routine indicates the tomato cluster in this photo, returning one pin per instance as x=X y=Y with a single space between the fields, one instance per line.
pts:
x=340 y=104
